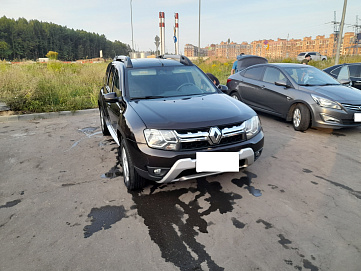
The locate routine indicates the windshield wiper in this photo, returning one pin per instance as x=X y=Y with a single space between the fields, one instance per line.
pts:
x=147 y=97
x=330 y=84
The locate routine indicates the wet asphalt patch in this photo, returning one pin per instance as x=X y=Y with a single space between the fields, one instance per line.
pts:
x=103 y=218
x=10 y=204
x=174 y=225
x=246 y=181
x=357 y=194
x=238 y=224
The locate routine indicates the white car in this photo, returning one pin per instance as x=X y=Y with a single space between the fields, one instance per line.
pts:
x=314 y=56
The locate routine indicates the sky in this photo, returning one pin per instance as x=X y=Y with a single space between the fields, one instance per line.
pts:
x=237 y=20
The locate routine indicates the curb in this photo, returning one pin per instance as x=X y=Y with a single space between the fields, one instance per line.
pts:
x=50 y=115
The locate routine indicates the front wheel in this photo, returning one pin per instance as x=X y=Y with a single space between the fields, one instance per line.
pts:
x=235 y=95
x=103 y=125
x=132 y=180
x=301 y=117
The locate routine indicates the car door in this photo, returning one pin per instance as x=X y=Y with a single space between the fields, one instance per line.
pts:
x=274 y=98
x=313 y=56
x=318 y=56
x=115 y=109
x=105 y=90
x=250 y=86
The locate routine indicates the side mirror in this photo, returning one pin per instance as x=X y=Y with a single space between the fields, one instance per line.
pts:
x=223 y=88
x=345 y=81
x=282 y=84
x=112 y=98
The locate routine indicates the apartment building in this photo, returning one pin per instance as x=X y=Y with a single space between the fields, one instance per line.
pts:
x=281 y=48
x=192 y=51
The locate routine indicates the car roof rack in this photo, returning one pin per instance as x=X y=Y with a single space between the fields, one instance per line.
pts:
x=125 y=59
x=181 y=58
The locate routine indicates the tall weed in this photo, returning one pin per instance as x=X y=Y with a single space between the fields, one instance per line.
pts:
x=54 y=86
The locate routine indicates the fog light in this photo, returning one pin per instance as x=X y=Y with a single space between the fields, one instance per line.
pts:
x=158 y=172
x=257 y=154
x=328 y=118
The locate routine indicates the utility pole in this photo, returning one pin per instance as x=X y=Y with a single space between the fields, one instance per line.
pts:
x=199 y=31
x=357 y=28
x=131 y=23
x=340 y=34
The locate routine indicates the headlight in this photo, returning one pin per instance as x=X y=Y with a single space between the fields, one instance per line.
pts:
x=161 y=139
x=253 y=126
x=326 y=103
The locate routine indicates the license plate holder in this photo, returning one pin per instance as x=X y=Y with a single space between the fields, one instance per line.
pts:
x=217 y=162
x=357 y=117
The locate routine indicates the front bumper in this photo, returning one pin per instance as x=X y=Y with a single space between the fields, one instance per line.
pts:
x=246 y=156
x=181 y=166
x=331 y=118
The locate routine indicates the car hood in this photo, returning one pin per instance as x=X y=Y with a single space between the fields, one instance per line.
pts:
x=191 y=112
x=338 y=93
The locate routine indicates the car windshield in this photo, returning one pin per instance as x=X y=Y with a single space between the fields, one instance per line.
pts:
x=310 y=76
x=166 y=81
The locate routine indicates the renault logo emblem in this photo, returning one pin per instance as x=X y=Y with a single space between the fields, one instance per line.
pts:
x=215 y=135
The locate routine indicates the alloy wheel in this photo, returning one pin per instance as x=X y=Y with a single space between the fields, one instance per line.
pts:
x=125 y=166
x=297 y=117
x=101 y=120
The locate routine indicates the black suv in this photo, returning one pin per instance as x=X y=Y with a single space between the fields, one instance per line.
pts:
x=172 y=123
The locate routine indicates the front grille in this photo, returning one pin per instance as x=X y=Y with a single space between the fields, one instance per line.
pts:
x=194 y=139
x=349 y=122
x=353 y=107
x=233 y=139
x=194 y=145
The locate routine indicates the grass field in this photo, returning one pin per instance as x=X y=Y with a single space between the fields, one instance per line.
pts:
x=50 y=87
x=57 y=86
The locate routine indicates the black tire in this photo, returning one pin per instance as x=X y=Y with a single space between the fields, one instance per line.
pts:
x=235 y=95
x=301 y=117
x=132 y=180
x=102 y=123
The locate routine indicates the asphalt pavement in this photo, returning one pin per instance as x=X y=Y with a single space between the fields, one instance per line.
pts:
x=63 y=204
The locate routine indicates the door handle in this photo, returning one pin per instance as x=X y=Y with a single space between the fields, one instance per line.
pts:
x=262 y=87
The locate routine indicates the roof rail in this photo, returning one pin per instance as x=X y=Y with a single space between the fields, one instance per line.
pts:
x=125 y=59
x=182 y=59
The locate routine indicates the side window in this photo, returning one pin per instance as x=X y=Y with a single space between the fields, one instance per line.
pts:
x=355 y=70
x=110 y=78
x=336 y=71
x=344 y=74
x=273 y=75
x=106 y=77
x=116 y=85
x=254 y=73
x=293 y=73
x=312 y=54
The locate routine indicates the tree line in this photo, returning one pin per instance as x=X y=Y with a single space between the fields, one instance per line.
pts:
x=22 y=39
